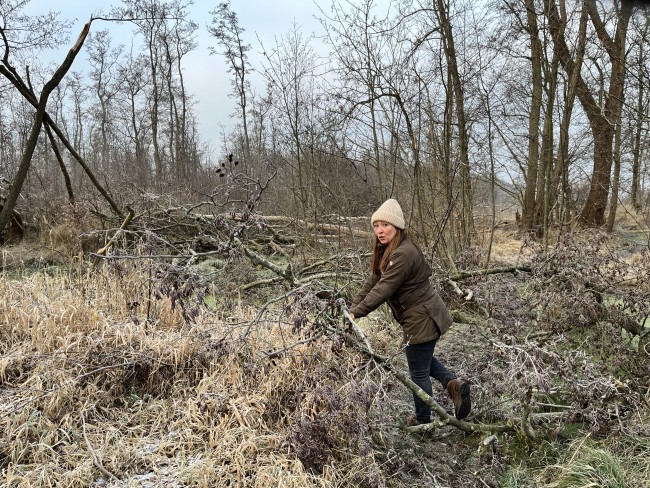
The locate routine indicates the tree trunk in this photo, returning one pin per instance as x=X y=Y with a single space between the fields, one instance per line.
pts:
x=155 y=111
x=542 y=213
x=636 y=196
x=559 y=181
x=604 y=124
x=529 y=208
x=613 y=206
x=602 y=119
x=467 y=214
x=59 y=159
x=29 y=95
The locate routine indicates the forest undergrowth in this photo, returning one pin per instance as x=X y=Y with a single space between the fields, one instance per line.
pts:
x=141 y=371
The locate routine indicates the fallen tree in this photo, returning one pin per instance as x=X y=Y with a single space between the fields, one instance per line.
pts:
x=444 y=417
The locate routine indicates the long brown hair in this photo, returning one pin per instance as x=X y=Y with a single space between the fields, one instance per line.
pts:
x=381 y=254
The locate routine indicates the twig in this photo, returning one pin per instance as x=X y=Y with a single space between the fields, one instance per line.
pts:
x=357 y=330
x=155 y=256
x=526 y=426
x=468 y=295
x=126 y=222
x=286 y=273
x=263 y=282
x=482 y=481
x=264 y=307
x=331 y=228
x=483 y=272
x=96 y=460
x=279 y=352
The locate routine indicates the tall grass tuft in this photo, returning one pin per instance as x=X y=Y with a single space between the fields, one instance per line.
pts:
x=587 y=464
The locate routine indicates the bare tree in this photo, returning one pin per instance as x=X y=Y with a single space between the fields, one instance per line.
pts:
x=290 y=77
x=560 y=175
x=149 y=16
x=358 y=38
x=76 y=128
x=17 y=183
x=442 y=9
x=226 y=29
x=135 y=81
x=530 y=203
x=177 y=40
x=26 y=90
x=103 y=58
x=168 y=36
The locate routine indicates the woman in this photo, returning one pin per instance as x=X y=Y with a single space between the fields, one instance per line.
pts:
x=400 y=276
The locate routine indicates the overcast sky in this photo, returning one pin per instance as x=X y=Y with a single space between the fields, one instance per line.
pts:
x=206 y=75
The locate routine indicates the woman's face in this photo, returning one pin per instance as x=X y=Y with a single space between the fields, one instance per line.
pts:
x=384 y=231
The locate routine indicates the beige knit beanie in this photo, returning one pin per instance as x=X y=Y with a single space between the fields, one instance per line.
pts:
x=390 y=212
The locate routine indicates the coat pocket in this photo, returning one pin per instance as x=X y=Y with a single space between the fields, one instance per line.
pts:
x=439 y=313
x=419 y=325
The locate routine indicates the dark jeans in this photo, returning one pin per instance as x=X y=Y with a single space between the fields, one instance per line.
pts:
x=423 y=364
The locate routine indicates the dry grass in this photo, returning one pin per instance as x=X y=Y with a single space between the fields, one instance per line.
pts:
x=89 y=397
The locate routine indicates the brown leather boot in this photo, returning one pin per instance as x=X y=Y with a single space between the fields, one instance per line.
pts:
x=412 y=420
x=459 y=392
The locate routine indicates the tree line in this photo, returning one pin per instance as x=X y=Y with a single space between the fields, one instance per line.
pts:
x=449 y=106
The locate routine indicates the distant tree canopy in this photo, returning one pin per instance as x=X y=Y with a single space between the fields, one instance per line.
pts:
x=451 y=107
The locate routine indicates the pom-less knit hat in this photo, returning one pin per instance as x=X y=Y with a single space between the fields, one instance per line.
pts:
x=390 y=212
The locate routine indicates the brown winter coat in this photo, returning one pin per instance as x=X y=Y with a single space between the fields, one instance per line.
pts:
x=405 y=285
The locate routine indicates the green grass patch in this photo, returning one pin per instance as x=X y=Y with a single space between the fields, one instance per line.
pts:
x=586 y=464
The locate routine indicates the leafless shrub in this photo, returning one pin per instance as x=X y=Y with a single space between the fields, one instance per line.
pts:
x=580 y=283
x=184 y=288
x=561 y=341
